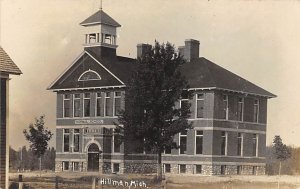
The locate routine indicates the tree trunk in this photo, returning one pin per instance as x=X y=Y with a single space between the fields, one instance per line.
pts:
x=40 y=165
x=279 y=172
x=159 y=166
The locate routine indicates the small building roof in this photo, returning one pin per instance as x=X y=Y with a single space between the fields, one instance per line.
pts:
x=7 y=65
x=100 y=17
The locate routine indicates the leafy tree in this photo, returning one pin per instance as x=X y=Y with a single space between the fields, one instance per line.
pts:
x=38 y=137
x=281 y=151
x=49 y=159
x=150 y=114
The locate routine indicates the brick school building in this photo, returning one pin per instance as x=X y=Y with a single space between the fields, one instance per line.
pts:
x=229 y=113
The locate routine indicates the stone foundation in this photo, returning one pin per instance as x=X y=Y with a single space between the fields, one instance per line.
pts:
x=107 y=169
x=140 y=168
x=58 y=166
x=174 y=169
x=207 y=170
x=261 y=170
x=144 y=168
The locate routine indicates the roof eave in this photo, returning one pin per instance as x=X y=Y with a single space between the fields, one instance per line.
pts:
x=95 y=23
x=235 y=91
x=87 y=88
x=11 y=72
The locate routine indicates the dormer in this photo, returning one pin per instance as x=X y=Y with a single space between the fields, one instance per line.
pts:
x=101 y=30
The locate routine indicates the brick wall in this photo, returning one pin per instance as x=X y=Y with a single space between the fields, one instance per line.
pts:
x=59 y=140
x=59 y=104
x=233 y=107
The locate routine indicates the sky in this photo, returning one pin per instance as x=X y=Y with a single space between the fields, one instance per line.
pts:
x=258 y=40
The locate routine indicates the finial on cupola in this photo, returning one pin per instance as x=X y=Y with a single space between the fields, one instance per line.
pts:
x=100 y=5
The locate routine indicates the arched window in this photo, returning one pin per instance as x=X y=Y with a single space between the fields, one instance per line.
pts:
x=93 y=148
x=89 y=75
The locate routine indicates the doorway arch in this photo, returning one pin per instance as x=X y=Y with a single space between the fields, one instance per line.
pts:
x=93 y=157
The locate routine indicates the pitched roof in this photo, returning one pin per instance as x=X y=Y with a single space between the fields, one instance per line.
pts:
x=100 y=17
x=7 y=65
x=202 y=73
x=114 y=71
x=120 y=66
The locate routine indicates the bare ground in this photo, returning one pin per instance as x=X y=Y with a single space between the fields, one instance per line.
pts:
x=84 y=180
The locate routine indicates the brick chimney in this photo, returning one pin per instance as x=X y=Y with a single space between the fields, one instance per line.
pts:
x=191 y=49
x=142 y=49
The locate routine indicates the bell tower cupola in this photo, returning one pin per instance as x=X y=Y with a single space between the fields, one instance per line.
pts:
x=100 y=30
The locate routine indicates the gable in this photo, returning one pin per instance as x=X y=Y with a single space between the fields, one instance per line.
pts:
x=86 y=63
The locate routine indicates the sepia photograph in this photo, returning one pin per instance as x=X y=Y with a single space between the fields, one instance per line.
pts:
x=161 y=94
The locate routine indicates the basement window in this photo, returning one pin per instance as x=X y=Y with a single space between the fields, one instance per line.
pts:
x=167 y=168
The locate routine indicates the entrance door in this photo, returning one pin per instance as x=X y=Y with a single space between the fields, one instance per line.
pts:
x=93 y=157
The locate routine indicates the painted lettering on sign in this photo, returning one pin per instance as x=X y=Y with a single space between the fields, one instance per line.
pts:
x=88 y=121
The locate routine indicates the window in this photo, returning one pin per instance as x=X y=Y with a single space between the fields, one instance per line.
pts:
x=224 y=143
x=65 y=165
x=116 y=167
x=240 y=109
x=117 y=142
x=108 y=39
x=184 y=103
x=92 y=38
x=198 y=169
x=108 y=104
x=182 y=168
x=75 y=166
x=223 y=169
x=240 y=141
x=87 y=104
x=200 y=105
x=99 y=105
x=76 y=140
x=117 y=104
x=66 y=139
x=76 y=104
x=182 y=142
x=66 y=105
x=167 y=168
x=199 y=142
x=239 y=170
x=256 y=111
x=225 y=111
x=89 y=75
x=254 y=145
